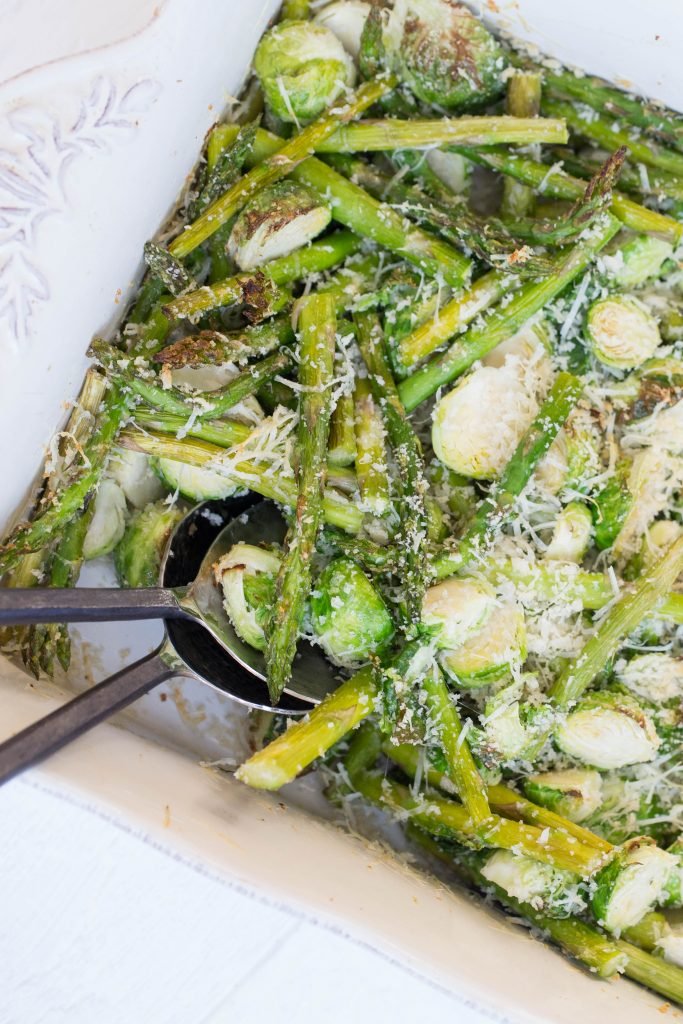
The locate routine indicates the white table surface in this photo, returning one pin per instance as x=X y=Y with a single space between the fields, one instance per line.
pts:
x=100 y=926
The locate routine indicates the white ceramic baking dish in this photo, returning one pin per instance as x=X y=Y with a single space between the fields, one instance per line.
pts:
x=95 y=141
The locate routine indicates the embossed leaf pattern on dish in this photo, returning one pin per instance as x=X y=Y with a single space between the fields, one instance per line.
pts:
x=35 y=157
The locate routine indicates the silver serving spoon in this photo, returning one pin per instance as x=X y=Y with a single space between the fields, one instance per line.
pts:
x=199 y=640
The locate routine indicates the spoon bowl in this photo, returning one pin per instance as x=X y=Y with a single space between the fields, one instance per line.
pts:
x=199 y=641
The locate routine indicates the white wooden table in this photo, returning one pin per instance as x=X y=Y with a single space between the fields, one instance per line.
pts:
x=100 y=926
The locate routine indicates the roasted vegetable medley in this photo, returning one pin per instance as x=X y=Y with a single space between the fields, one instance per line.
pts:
x=425 y=292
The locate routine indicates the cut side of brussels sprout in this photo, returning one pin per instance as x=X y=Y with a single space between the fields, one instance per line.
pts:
x=194 y=483
x=348 y=616
x=621 y=332
x=492 y=652
x=278 y=220
x=134 y=474
x=303 y=68
x=230 y=571
x=571 y=535
x=656 y=678
x=345 y=18
x=108 y=521
x=138 y=555
x=608 y=730
x=540 y=885
x=574 y=793
x=470 y=441
x=454 y=609
x=443 y=53
x=630 y=885
x=637 y=260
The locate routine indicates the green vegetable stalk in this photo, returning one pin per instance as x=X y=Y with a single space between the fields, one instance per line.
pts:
x=371 y=457
x=523 y=99
x=277 y=166
x=556 y=183
x=312 y=736
x=355 y=209
x=318 y=325
x=49 y=525
x=408 y=454
x=602 y=130
x=653 y=118
x=368 y=136
x=501 y=323
x=494 y=510
x=453 y=317
x=251 y=287
x=444 y=818
x=338 y=511
x=444 y=721
x=629 y=611
x=215 y=403
x=342 y=445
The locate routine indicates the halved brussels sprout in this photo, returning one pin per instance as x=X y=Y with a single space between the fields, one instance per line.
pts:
x=608 y=730
x=511 y=730
x=467 y=437
x=138 y=555
x=540 y=885
x=492 y=652
x=630 y=885
x=348 y=615
x=134 y=474
x=302 y=68
x=621 y=331
x=231 y=573
x=574 y=793
x=279 y=219
x=108 y=521
x=443 y=53
x=571 y=535
x=456 y=608
x=637 y=260
x=345 y=18
x=656 y=678
x=195 y=483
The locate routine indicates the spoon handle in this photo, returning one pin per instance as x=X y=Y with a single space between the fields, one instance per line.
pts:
x=72 y=719
x=32 y=605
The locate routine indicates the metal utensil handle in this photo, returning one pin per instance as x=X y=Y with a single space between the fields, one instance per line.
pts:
x=77 y=716
x=31 y=605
